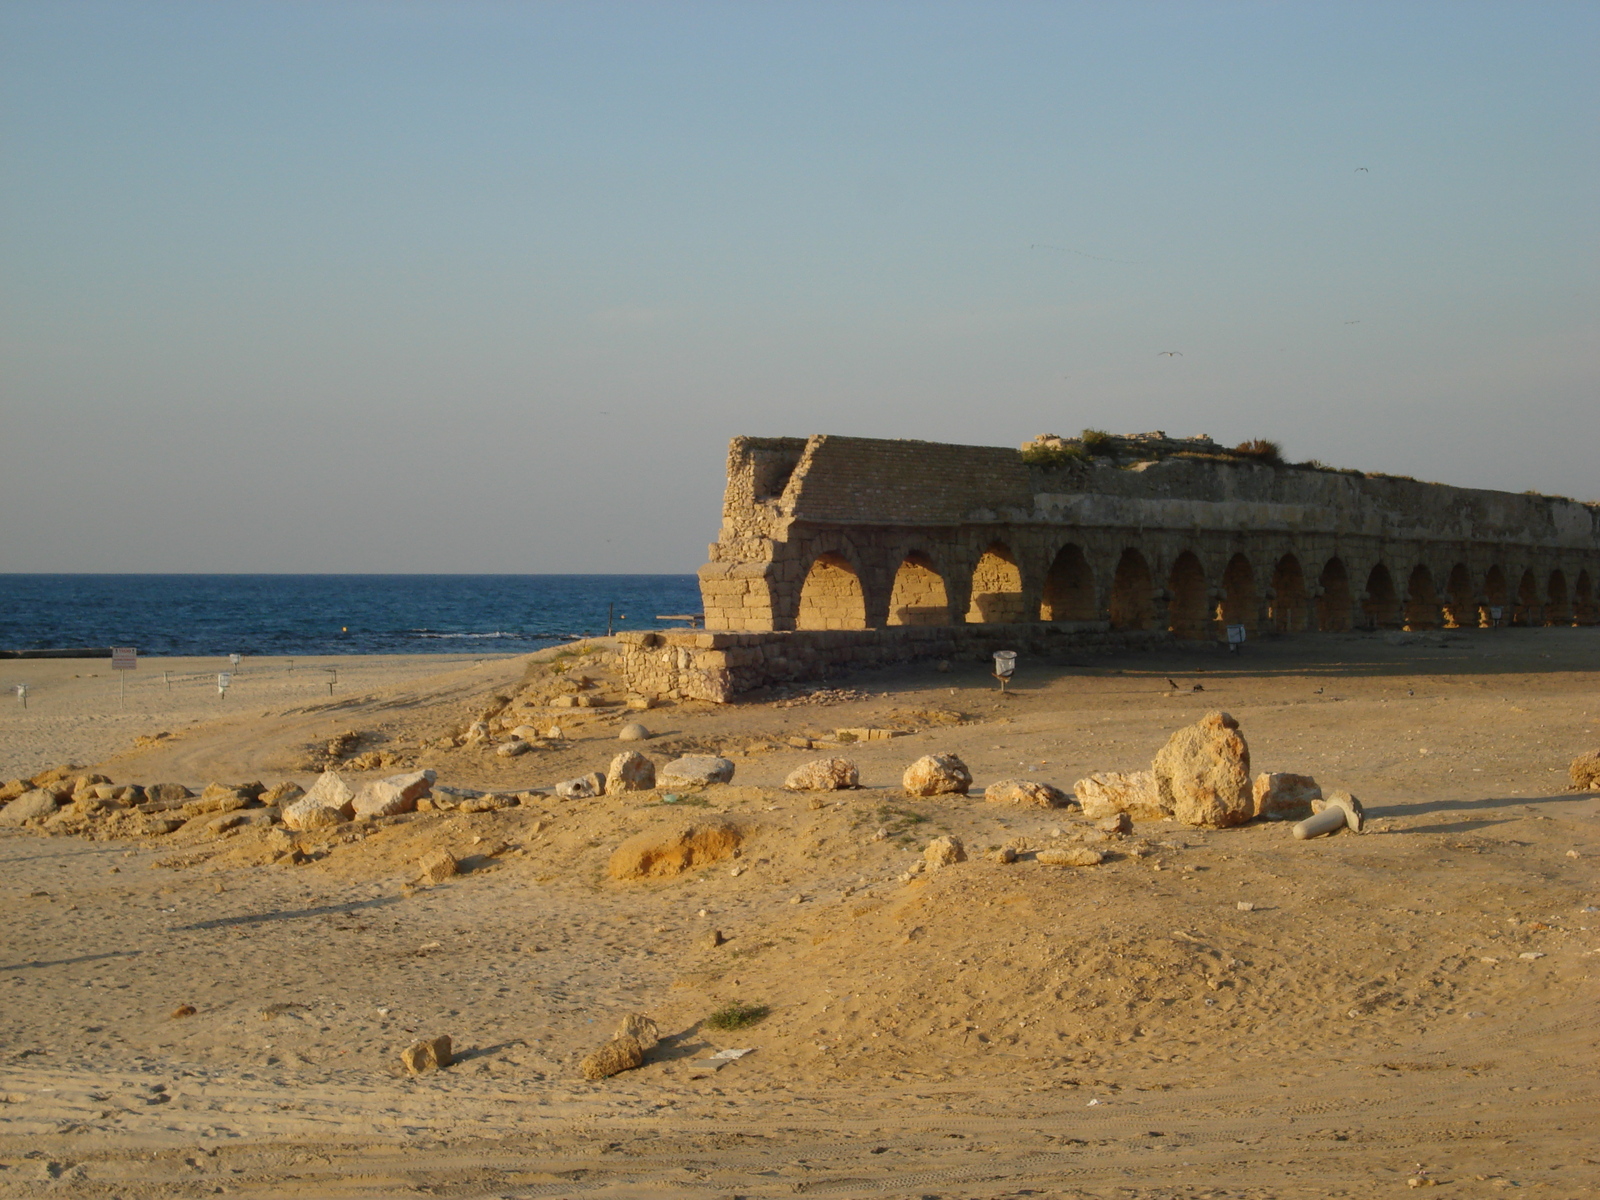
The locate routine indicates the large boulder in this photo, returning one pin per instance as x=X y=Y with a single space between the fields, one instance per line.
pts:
x=329 y=802
x=823 y=775
x=937 y=775
x=1280 y=796
x=673 y=849
x=1106 y=793
x=630 y=771
x=1584 y=771
x=396 y=794
x=41 y=802
x=695 y=770
x=1203 y=773
x=1026 y=793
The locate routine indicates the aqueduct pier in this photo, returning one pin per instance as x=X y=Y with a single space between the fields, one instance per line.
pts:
x=840 y=551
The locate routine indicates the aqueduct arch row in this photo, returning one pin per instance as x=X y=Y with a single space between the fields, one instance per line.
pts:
x=853 y=533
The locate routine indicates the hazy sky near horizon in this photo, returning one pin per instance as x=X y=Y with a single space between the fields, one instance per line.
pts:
x=470 y=286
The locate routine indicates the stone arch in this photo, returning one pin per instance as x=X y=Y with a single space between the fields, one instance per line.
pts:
x=1585 y=611
x=1381 y=605
x=1422 y=605
x=1496 y=594
x=996 y=588
x=1238 y=606
x=1526 y=611
x=1189 y=613
x=1460 y=605
x=1132 y=601
x=831 y=596
x=1069 y=588
x=1290 y=607
x=1559 y=609
x=918 y=596
x=1333 y=606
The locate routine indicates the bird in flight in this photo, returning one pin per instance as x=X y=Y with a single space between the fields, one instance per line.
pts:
x=1363 y=169
x=1170 y=354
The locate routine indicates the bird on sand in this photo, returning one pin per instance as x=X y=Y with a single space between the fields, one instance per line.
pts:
x=1199 y=687
x=1171 y=684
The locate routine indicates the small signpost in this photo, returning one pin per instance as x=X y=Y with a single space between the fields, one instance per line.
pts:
x=234 y=659
x=1005 y=663
x=1235 y=638
x=224 y=678
x=1495 y=613
x=124 y=658
x=21 y=690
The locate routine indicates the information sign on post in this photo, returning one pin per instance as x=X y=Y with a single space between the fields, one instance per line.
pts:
x=224 y=678
x=234 y=659
x=1235 y=638
x=124 y=658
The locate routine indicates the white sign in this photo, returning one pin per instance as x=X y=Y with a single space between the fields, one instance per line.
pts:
x=234 y=659
x=1235 y=635
x=1005 y=662
x=223 y=680
x=124 y=658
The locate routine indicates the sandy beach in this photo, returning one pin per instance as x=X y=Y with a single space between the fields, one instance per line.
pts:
x=1205 y=1013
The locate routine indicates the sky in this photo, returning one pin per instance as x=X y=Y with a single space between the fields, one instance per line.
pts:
x=463 y=287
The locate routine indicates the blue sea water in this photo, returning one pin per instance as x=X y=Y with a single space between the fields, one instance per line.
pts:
x=329 y=614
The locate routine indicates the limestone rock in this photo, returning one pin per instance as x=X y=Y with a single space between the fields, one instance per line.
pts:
x=396 y=794
x=620 y=1054
x=1106 y=793
x=673 y=849
x=1027 y=793
x=329 y=802
x=640 y=1028
x=1070 y=856
x=477 y=734
x=428 y=1055
x=511 y=749
x=937 y=775
x=1203 y=773
x=437 y=865
x=488 y=802
x=823 y=775
x=527 y=733
x=444 y=799
x=1006 y=854
x=217 y=798
x=581 y=788
x=14 y=788
x=280 y=795
x=633 y=732
x=944 y=852
x=1116 y=823
x=695 y=770
x=1280 y=796
x=630 y=771
x=83 y=783
x=171 y=795
x=1584 y=771
x=37 y=803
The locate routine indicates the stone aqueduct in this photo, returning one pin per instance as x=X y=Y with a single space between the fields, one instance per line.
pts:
x=853 y=533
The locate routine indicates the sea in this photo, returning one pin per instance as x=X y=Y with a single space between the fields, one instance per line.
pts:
x=257 y=615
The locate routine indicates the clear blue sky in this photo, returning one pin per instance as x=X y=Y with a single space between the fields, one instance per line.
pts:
x=487 y=287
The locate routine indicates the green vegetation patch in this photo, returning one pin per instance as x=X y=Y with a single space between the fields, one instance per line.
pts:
x=737 y=1015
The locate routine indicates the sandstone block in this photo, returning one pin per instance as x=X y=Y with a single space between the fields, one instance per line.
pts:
x=280 y=794
x=217 y=798
x=30 y=805
x=1027 y=793
x=437 y=865
x=620 y=1054
x=1106 y=793
x=1203 y=773
x=696 y=770
x=581 y=788
x=672 y=850
x=1280 y=796
x=396 y=794
x=937 y=775
x=513 y=748
x=488 y=802
x=823 y=775
x=1070 y=856
x=168 y=795
x=630 y=771
x=1584 y=771
x=14 y=788
x=429 y=1055
x=1116 y=823
x=329 y=801
x=944 y=852
x=640 y=1028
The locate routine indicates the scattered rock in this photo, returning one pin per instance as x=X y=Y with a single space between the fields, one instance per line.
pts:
x=640 y=1028
x=823 y=775
x=170 y=794
x=937 y=775
x=446 y=799
x=1116 y=823
x=944 y=852
x=1006 y=854
x=477 y=734
x=1584 y=771
x=641 y=703
x=696 y=770
x=14 y=788
x=183 y=1010
x=713 y=939
x=437 y=865
x=329 y=802
x=674 y=849
x=527 y=733
x=633 y=732
x=1027 y=793
x=1106 y=793
x=630 y=771
x=1280 y=796
x=280 y=795
x=487 y=802
x=396 y=794
x=1070 y=856
x=582 y=788
x=1203 y=773
x=512 y=748
x=622 y=1053
x=1246 y=906
x=29 y=806
x=429 y=1055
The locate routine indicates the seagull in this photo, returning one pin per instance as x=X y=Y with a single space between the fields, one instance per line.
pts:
x=1363 y=169
x=1170 y=354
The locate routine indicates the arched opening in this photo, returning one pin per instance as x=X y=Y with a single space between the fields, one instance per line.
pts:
x=1497 y=596
x=1422 y=606
x=1069 y=588
x=1238 y=605
x=1333 y=606
x=1132 y=606
x=1587 y=613
x=1189 y=615
x=830 y=597
x=1559 y=610
x=1460 y=612
x=1290 y=612
x=1526 y=610
x=1381 y=606
x=918 y=596
x=996 y=588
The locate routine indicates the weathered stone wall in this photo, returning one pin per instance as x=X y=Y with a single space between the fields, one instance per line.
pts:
x=692 y=665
